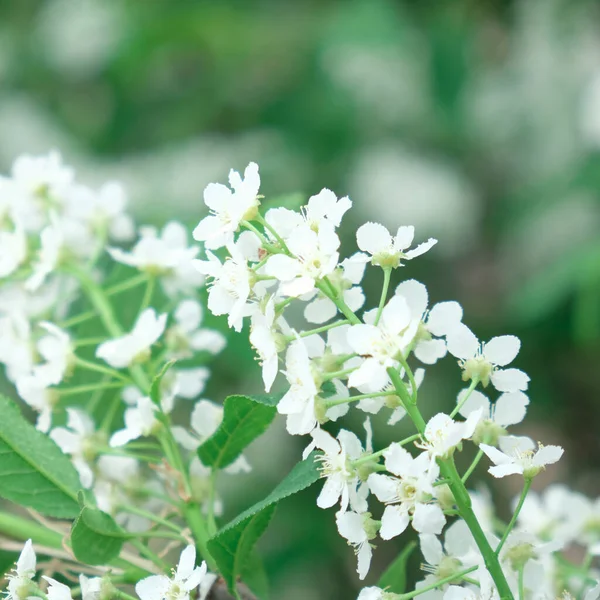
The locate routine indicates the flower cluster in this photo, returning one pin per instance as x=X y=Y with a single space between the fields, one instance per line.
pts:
x=375 y=360
x=57 y=237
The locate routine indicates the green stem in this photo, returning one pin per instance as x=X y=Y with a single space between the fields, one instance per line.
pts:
x=461 y=497
x=437 y=584
x=134 y=510
x=22 y=529
x=336 y=401
x=92 y=341
x=411 y=378
x=291 y=338
x=193 y=516
x=472 y=466
x=509 y=527
x=126 y=285
x=374 y=455
x=336 y=374
x=145 y=551
x=521 y=583
x=147 y=299
x=327 y=288
x=465 y=398
x=387 y=273
x=92 y=366
x=92 y=387
x=268 y=226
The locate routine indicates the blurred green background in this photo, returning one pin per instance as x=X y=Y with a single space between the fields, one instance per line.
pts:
x=478 y=122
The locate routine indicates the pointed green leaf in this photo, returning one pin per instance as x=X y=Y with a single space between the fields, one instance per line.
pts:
x=244 y=419
x=95 y=537
x=232 y=546
x=33 y=470
x=394 y=577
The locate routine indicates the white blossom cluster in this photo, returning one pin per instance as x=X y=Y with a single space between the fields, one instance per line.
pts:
x=343 y=358
x=57 y=249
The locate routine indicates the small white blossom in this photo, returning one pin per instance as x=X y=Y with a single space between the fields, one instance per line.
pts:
x=52 y=241
x=321 y=309
x=122 y=352
x=482 y=360
x=76 y=440
x=91 y=587
x=265 y=340
x=20 y=579
x=373 y=593
x=299 y=401
x=232 y=281
x=342 y=483
x=517 y=456
x=358 y=529
x=57 y=590
x=140 y=420
x=315 y=256
x=187 y=337
x=380 y=344
x=407 y=495
x=388 y=251
x=166 y=255
x=443 y=433
x=13 y=250
x=186 y=579
x=442 y=318
x=228 y=207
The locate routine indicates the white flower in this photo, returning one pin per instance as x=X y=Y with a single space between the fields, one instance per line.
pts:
x=166 y=255
x=186 y=337
x=52 y=241
x=386 y=251
x=517 y=456
x=19 y=580
x=57 y=590
x=189 y=383
x=91 y=588
x=481 y=360
x=372 y=593
x=36 y=391
x=315 y=256
x=442 y=318
x=264 y=339
x=342 y=480
x=140 y=420
x=358 y=529
x=458 y=552
x=380 y=344
x=455 y=592
x=75 y=439
x=509 y=409
x=228 y=207
x=408 y=494
x=13 y=250
x=186 y=578
x=322 y=309
x=232 y=281
x=56 y=348
x=299 y=401
x=443 y=433
x=121 y=352
x=205 y=420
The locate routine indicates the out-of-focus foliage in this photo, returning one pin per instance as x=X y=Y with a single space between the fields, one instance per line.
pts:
x=478 y=122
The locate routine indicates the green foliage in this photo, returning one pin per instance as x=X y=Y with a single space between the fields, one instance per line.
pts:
x=7 y=561
x=33 y=471
x=232 y=546
x=95 y=537
x=394 y=577
x=244 y=419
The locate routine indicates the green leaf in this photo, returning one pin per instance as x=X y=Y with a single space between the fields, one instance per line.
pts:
x=394 y=577
x=33 y=470
x=95 y=537
x=232 y=546
x=156 y=382
x=255 y=577
x=244 y=419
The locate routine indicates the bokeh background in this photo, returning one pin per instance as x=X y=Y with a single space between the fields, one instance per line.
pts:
x=478 y=122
